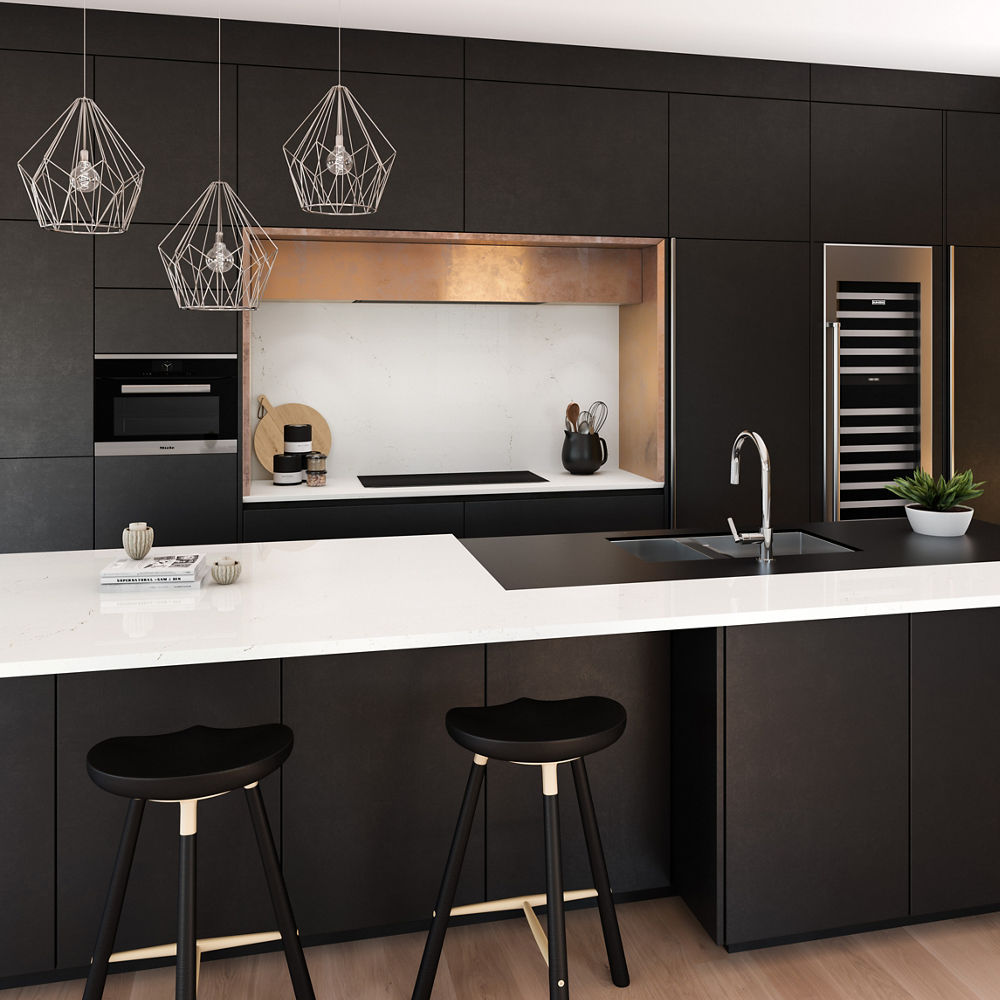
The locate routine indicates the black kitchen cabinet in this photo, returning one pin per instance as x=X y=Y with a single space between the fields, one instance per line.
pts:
x=188 y=499
x=168 y=113
x=232 y=893
x=372 y=790
x=27 y=879
x=973 y=157
x=630 y=780
x=954 y=704
x=739 y=168
x=147 y=321
x=565 y=160
x=555 y=514
x=424 y=191
x=290 y=521
x=131 y=259
x=742 y=356
x=48 y=504
x=876 y=174
x=46 y=379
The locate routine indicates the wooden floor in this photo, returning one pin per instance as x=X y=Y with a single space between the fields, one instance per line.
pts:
x=670 y=957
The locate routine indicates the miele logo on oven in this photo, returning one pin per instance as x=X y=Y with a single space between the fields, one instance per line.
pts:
x=878 y=302
x=166 y=447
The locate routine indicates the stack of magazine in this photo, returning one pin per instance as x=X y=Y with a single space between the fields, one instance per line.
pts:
x=160 y=572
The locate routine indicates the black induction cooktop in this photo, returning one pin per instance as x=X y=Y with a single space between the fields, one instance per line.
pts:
x=450 y=479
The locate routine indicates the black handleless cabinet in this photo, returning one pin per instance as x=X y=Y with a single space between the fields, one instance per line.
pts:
x=554 y=515
x=973 y=159
x=876 y=174
x=565 y=160
x=47 y=503
x=742 y=362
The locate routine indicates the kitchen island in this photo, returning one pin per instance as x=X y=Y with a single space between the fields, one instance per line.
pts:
x=807 y=752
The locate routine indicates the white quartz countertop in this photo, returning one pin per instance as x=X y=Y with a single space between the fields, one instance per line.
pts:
x=345 y=486
x=350 y=595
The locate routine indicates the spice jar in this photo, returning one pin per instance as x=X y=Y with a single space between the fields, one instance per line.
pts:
x=315 y=468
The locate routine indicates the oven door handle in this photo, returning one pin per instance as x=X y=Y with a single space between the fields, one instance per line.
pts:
x=136 y=390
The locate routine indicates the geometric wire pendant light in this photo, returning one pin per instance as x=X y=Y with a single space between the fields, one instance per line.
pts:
x=338 y=158
x=217 y=257
x=81 y=175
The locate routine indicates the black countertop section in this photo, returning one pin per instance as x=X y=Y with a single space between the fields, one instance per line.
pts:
x=450 y=479
x=529 y=562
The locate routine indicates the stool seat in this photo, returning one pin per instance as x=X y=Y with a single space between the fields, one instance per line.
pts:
x=538 y=732
x=189 y=764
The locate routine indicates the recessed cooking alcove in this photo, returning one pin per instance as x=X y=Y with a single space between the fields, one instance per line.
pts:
x=342 y=272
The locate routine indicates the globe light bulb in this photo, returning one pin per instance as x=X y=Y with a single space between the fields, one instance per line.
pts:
x=83 y=177
x=339 y=161
x=220 y=258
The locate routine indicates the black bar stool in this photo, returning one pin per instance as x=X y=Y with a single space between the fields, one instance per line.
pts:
x=544 y=734
x=185 y=767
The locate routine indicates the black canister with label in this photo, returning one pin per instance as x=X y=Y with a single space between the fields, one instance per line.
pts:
x=298 y=439
x=287 y=470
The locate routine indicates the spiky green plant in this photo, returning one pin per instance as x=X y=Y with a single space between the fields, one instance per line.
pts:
x=936 y=494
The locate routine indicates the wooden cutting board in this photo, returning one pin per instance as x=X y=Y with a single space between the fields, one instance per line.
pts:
x=269 y=437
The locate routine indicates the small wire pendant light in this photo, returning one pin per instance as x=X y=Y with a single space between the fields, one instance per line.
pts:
x=81 y=175
x=217 y=257
x=338 y=158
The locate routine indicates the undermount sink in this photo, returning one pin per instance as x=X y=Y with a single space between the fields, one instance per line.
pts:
x=784 y=543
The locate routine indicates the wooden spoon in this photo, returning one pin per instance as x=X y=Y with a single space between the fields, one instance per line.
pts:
x=573 y=413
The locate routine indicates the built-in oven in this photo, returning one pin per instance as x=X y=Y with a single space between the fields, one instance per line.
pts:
x=167 y=404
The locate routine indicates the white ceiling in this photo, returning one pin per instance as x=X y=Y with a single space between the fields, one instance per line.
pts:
x=957 y=36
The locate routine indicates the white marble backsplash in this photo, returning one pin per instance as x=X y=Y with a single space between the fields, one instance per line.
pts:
x=438 y=387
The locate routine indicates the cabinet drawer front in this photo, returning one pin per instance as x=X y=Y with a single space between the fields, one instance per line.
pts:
x=485 y=518
x=351 y=521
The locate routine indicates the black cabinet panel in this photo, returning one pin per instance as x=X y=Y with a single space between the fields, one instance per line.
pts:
x=232 y=894
x=188 y=499
x=46 y=379
x=973 y=145
x=293 y=521
x=742 y=355
x=425 y=186
x=47 y=503
x=816 y=760
x=131 y=260
x=372 y=791
x=955 y=700
x=534 y=62
x=876 y=174
x=630 y=780
x=27 y=880
x=486 y=518
x=739 y=168
x=167 y=112
x=565 y=160
x=144 y=320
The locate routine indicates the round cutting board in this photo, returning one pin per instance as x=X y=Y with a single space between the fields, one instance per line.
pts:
x=269 y=438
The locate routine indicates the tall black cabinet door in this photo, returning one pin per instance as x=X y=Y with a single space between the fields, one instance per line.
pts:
x=973 y=159
x=372 y=791
x=816 y=776
x=977 y=370
x=955 y=702
x=232 y=893
x=741 y=335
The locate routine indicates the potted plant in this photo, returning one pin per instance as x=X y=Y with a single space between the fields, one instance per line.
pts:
x=936 y=506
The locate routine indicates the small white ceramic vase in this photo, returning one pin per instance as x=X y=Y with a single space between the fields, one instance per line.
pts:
x=137 y=540
x=943 y=523
x=226 y=571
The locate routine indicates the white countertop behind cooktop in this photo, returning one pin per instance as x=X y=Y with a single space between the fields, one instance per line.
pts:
x=358 y=594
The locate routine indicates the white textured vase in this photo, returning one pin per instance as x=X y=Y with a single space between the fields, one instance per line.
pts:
x=137 y=539
x=226 y=571
x=943 y=523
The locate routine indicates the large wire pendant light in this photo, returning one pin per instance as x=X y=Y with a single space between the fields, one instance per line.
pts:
x=338 y=158
x=217 y=257
x=81 y=175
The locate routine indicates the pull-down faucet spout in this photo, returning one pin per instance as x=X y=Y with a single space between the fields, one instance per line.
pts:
x=764 y=535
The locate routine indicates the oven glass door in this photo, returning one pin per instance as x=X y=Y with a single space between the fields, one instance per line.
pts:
x=151 y=415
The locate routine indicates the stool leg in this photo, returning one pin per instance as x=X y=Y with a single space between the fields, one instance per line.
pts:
x=297 y=970
x=599 y=871
x=558 y=974
x=449 y=882
x=98 y=974
x=187 y=886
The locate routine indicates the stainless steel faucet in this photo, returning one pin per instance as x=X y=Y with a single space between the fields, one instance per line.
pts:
x=764 y=535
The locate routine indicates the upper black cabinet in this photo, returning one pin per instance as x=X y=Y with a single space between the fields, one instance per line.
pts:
x=742 y=357
x=425 y=187
x=565 y=160
x=147 y=321
x=973 y=149
x=739 y=168
x=168 y=113
x=876 y=174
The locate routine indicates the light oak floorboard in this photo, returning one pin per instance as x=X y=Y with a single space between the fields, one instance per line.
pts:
x=670 y=958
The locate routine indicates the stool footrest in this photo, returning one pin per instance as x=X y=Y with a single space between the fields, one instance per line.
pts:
x=518 y=902
x=202 y=944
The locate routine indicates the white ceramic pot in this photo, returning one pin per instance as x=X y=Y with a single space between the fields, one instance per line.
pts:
x=943 y=523
x=137 y=540
x=226 y=571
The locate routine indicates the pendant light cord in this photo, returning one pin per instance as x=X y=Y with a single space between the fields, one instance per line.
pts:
x=84 y=50
x=218 y=203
